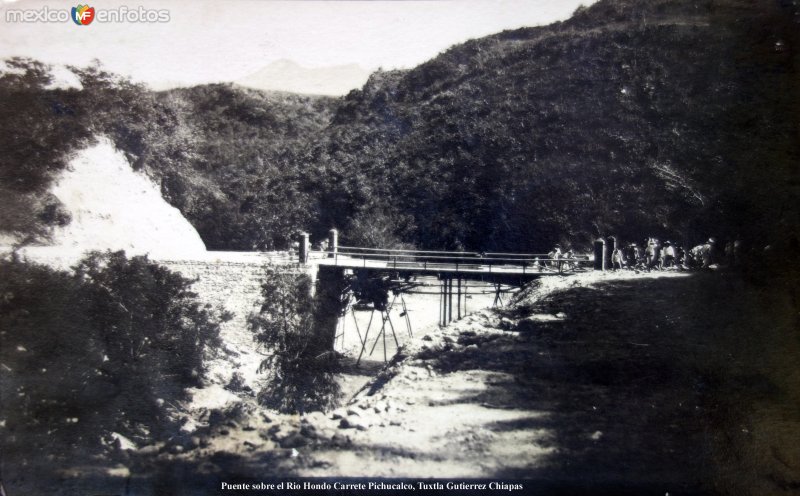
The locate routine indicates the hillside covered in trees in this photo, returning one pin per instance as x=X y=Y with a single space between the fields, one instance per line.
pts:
x=675 y=118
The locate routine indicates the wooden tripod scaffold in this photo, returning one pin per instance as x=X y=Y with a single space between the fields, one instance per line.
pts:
x=386 y=318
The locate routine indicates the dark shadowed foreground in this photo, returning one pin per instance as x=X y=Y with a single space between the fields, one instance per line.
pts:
x=685 y=383
x=612 y=384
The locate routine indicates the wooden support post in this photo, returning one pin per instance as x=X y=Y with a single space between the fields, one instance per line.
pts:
x=383 y=330
x=366 y=337
x=441 y=303
x=459 y=297
x=498 y=299
x=444 y=309
x=343 y=320
x=408 y=318
x=466 y=292
x=450 y=297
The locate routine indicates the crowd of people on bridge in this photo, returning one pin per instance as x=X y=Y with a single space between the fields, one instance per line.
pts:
x=652 y=254
x=656 y=255
x=556 y=259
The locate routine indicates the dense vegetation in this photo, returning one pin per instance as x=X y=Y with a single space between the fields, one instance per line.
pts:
x=38 y=129
x=244 y=185
x=677 y=118
x=228 y=158
x=673 y=118
x=107 y=348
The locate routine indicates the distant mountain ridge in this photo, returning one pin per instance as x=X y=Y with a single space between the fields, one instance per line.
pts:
x=286 y=75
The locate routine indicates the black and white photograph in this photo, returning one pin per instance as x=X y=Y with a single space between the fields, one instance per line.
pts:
x=397 y=247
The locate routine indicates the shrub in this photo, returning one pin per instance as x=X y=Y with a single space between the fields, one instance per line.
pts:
x=153 y=329
x=299 y=364
x=107 y=347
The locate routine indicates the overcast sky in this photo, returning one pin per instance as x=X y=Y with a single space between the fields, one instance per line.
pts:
x=212 y=41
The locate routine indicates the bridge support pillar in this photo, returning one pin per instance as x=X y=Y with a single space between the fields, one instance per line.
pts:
x=303 y=249
x=330 y=300
x=600 y=254
x=333 y=243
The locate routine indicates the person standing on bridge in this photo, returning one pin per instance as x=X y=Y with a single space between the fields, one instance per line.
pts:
x=555 y=257
x=668 y=254
x=617 y=259
x=650 y=254
x=659 y=256
x=683 y=257
x=568 y=257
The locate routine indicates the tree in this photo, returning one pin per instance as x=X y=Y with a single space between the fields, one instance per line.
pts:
x=299 y=365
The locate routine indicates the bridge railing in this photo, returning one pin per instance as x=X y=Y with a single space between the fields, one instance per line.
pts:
x=522 y=256
x=351 y=256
